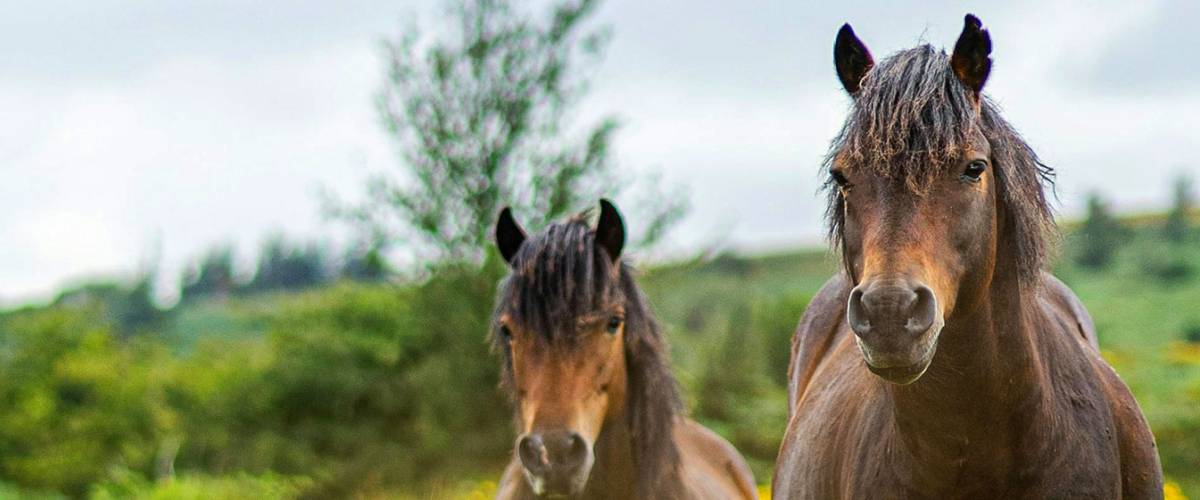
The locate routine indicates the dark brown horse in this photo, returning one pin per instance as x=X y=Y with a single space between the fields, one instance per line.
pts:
x=598 y=413
x=943 y=362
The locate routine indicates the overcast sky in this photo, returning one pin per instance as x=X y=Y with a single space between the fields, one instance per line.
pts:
x=136 y=130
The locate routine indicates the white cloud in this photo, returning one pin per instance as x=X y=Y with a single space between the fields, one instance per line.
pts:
x=130 y=132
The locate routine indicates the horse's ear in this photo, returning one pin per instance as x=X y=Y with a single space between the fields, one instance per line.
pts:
x=971 y=60
x=509 y=235
x=851 y=58
x=610 y=231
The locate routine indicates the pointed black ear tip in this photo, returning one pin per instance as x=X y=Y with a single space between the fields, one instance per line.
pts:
x=974 y=34
x=509 y=235
x=846 y=38
x=610 y=230
x=505 y=216
x=609 y=212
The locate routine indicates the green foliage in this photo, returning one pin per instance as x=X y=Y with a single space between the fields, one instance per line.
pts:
x=234 y=487
x=355 y=389
x=284 y=265
x=75 y=401
x=1169 y=264
x=365 y=263
x=776 y=319
x=1177 y=228
x=1191 y=332
x=213 y=276
x=735 y=395
x=130 y=309
x=482 y=118
x=1100 y=235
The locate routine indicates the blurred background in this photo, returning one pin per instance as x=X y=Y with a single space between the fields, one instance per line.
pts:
x=246 y=245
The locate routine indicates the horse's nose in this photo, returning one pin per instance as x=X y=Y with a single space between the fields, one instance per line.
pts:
x=880 y=307
x=557 y=451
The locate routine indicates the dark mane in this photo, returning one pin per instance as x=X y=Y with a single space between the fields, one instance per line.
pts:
x=911 y=119
x=559 y=276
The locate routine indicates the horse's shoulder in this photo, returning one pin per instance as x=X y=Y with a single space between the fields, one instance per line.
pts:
x=712 y=457
x=818 y=327
x=1059 y=296
x=1139 y=457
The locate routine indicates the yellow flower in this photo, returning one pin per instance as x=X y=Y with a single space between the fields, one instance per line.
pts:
x=1183 y=353
x=764 y=492
x=1171 y=491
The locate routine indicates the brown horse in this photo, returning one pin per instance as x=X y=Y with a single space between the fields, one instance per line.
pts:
x=982 y=377
x=597 y=411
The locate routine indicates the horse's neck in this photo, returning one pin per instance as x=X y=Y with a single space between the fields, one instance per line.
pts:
x=613 y=474
x=982 y=387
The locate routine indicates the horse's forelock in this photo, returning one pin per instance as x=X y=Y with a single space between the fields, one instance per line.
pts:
x=912 y=119
x=559 y=276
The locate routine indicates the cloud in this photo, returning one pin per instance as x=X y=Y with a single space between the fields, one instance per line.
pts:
x=137 y=129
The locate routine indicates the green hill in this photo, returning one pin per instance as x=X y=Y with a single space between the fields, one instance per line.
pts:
x=389 y=390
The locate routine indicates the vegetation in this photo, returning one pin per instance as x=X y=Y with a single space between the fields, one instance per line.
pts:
x=482 y=119
x=382 y=389
x=1100 y=235
x=311 y=377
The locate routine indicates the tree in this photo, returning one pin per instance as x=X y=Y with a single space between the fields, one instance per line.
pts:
x=212 y=276
x=365 y=263
x=1100 y=235
x=481 y=118
x=283 y=265
x=1178 y=227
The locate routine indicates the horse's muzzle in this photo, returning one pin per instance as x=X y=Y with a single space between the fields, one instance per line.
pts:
x=896 y=324
x=556 y=463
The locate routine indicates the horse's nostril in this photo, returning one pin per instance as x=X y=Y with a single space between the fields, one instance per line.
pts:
x=924 y=311
x=856 y=314
x=532 y=452
x=888 y=306
x=576 y=452
x=552 y=450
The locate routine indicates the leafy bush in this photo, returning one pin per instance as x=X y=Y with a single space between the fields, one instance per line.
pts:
x=775 y=319
x=1100 y=235
x=1167 y=263
x=76 y=401
x=1191 y=332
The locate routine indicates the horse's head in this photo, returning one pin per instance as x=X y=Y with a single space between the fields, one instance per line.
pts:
x=925 y=182
x=560 y=321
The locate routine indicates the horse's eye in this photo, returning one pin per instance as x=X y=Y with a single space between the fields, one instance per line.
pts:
x=614 y=323
x=839 y=178
x=974 y=170
x=505 y=333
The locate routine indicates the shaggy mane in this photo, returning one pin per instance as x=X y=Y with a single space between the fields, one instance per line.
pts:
x=561 y=275
x=912 y=119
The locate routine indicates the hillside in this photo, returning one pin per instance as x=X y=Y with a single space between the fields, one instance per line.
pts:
x=389 y=391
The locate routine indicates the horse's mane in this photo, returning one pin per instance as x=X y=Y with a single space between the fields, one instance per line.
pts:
x=910 y=121
x=561 y=275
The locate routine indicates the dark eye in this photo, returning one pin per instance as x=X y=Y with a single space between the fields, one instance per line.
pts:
x=505 y=334
x=839 y=178
x=974 y=170
x=614 y=323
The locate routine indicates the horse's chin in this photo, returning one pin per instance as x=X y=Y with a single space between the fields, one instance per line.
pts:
x=901 y=370
x=900 y=375
x=558 y=486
